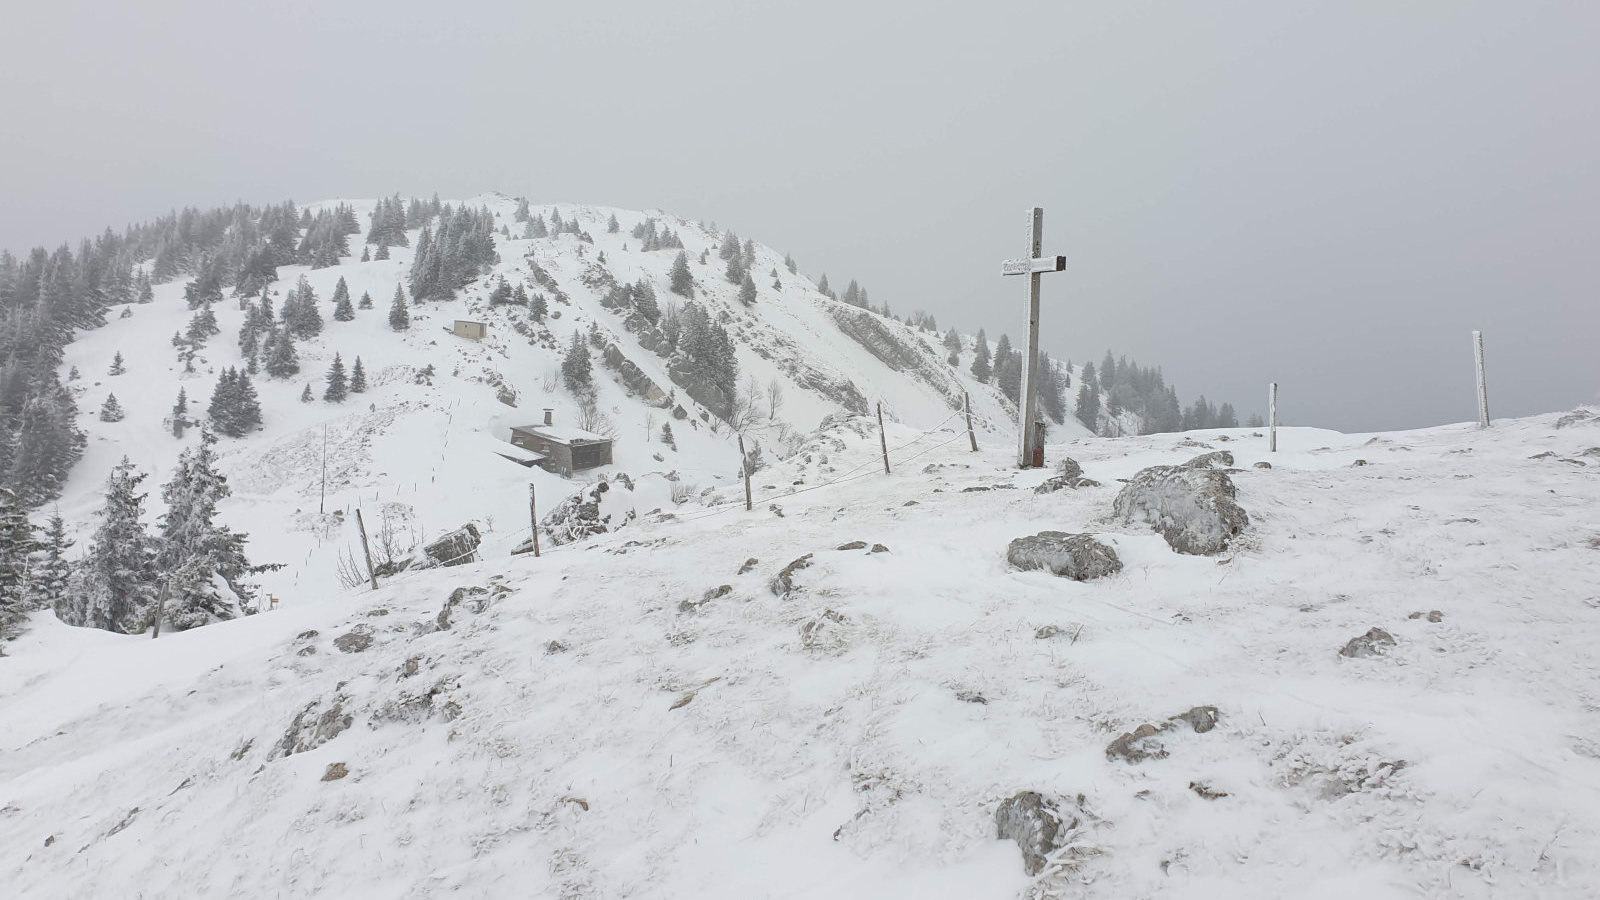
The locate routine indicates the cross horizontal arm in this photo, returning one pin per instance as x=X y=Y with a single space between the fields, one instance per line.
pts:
x=1032 y=266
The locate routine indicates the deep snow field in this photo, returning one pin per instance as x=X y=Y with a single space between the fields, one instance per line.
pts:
x=592 y=726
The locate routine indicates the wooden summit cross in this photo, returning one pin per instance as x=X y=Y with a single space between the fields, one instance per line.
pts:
x=1032 y=266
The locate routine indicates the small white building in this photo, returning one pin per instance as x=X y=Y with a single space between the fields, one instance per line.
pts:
x=472 y=331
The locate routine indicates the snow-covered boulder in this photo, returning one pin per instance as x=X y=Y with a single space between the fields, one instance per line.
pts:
x=454 y=548
x=605 y=506
x=1373 y=643
x=1192 y=507
x=1076 y=556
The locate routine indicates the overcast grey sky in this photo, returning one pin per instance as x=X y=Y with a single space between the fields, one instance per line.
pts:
x=1329 y=195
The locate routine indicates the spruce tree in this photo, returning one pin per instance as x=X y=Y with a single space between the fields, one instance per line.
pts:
x=16 y=545
x=575 y=366
x=822 y=287
x=383 y=253
x=116 y=583
x=195 y=549
x=116 y=365
x=366 y=301
x=747 y=290
x=612 y=227
x=399 y=315
x=337 y=385
x=46 y=443
x=666 y=435
x=358 y=378
x=111 y=410
x=952 y=343
x=343 y=311
x=306 y=396
x=51 y=570
x=734 y=272
x=180 y=414
x=980 y=358
x=341 y=291
x=682 y=279
x=789 y=263
x=366 y=254
x=282 y=360
x=538 y=307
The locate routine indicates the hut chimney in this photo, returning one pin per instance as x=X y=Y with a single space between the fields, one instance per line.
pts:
x=549 y=417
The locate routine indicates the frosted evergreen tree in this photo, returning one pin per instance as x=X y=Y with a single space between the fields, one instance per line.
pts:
x=666 y=435
x=643 y=298
x=612 y=227
x=306 y=396
x=180 y=414
x=116 y=365
x=852 y=293
x=338 y=387
x=952 y=343
x=980 y=358
x=358 y=378
x=730 y=246
x=383 y=253
x=538 y=307
x=789 y=263
x=366 y=301
x=300 y=313
x=195 y=549
x=282 y=360
x=734 y=272
x=1008 y=369
x=747 y=290
x=682 y=279
x=51 y=569
x=341 y=291
x=17 y=544
x=115 y=585
x=823 y=289
x=576 y=369
x=1226 y=417
x=146 y=291
x=366 y=254
x=342 y=310
x=399 y=315
x=46 y=443
x=111 y=410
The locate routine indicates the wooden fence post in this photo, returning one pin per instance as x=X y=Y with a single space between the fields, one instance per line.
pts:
x=365 y=549
x=744 y=469
x=1272 y=414
x=533 y=518
x=1483 y=384
x=883 y=441
x=966 y=403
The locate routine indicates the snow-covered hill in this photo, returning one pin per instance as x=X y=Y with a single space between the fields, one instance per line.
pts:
x=641 y=715
x=418 y=450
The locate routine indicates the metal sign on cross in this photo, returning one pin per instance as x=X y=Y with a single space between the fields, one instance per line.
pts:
x=1032 y=266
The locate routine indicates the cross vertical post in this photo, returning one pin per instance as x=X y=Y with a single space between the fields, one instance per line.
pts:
x=1033 y=265
x=1483 y=384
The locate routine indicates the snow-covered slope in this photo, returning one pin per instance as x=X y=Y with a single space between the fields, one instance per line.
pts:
x=421 y=449
x=610 y=721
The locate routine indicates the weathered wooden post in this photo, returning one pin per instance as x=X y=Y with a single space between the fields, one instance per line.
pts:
x=366 y=550
x=883 y=441
x=533 y=518
x=161 y=606
x=966 y=403
x=1483 y=384
x=1272 y=418
x=1032 y=266
x=744 y=469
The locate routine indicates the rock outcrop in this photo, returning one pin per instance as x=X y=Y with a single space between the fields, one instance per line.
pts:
x=1037 y=823
x=1192 y=507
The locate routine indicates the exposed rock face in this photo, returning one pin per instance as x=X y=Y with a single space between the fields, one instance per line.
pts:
x=1141 y=744
x=578 y=516
x=1076 y=556
x=475 y=598
x=878 y=336
x=1037 y=823
x=1577 y=417
x=1373 y=643
x=1263 y=465
x=313 y=726
x=709 y=394
x=355 y=640
x=1193 y=508
x=456 y=548
x=1068 y=475
x=634 y=377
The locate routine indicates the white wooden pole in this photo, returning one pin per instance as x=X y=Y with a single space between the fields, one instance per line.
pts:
x=1272 y=413
x=1028 y=408
x=1483 y=384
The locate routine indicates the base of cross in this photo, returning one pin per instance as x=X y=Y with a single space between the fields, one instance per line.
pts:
x=1038 y=445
